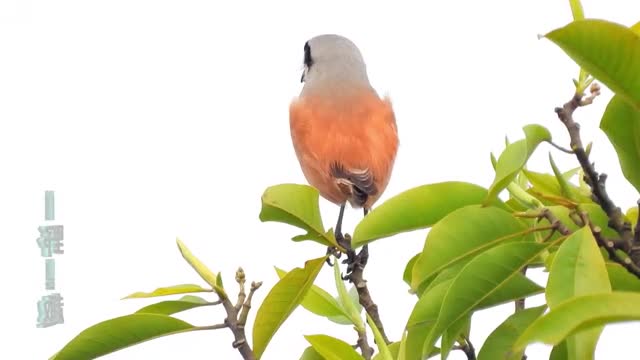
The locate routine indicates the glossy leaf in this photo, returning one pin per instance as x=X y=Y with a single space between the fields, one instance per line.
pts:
x=311 y=354
x=581 y=313
x=546 y=184
x=576 y=9
x=343 y=319
x=559 y=352
x=116 y=334
x=461 y=235
x=321 y=303
x=578 y=269
x=281 y=301
x=565 y=188
x=499 y=343
x=169 y=290
x=621 y=279
x=174 y=306
x=383 y=348
x=481 y=279
x=402 y=349
x=408 y=270
x=451 y=334
x=202 y=269
x=514 y=157
x=417 y=208
x=296 y=205
x=621 y=124
x=394 y=350
x=331 y=348
x=607 y=50
x=425 y=313
x=346 y=301
x=423 y=317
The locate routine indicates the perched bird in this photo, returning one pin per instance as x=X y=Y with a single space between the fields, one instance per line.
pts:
x=344 y=135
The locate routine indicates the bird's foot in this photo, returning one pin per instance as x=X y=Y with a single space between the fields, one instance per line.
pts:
x=344 y=241
x=355 y=260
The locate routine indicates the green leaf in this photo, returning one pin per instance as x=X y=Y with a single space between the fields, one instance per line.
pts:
x=402 y=349
x=383 y=348
x=321 y=303
x=394 y=349
x=559 y=352
x=281 y=301
x=450 y=336
x=297 y=205
x=481 y=279
x=546 y=184
x=578 y=269
x=621 y=124
x=115 y=334
x=417 y=208
x=310 y=354
x=581 y=313
x=346 y=301
x=621 y=279
x=461 y=235
x=219 y=281
x=499 y=343
x=609 y=51
x=343 y=319
x=331 y=348
x=169 y=290
x=174 y=306
x=576 y=9
x=514 y=157
x=202 y=269
x=423 y=317
x=426 y=311
x=408 y=270
x=565 y=188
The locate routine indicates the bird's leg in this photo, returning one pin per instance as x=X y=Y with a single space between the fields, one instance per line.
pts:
x=357 y=260
x=364 y=253
x=338 y=235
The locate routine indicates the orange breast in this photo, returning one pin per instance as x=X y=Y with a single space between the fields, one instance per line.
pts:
x=358 y=132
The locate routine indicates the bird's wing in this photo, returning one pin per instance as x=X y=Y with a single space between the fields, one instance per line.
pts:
x=358 y=183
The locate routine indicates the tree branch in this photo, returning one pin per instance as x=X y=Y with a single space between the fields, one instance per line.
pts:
x=363 y=344
x=597 y=181
x=467 y=348
x=237 y=315
x=355 y=275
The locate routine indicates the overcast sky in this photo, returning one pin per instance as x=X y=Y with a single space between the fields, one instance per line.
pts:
x=153 y=120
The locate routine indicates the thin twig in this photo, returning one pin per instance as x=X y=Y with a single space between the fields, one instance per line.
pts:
x=613 y=255
x=363 y=344
x=246 y=306
x=596 y=181
x=236 y=319
x=560 y=148
x=240 y=279
x=213 y=327
x=357 y=264
x=468 y=348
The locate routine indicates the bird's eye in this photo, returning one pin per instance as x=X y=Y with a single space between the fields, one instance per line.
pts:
x=308 y=61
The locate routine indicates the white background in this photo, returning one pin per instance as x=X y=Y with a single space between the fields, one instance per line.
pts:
x=153 y=120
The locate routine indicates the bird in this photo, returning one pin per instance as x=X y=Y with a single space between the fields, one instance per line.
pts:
x=344 y=134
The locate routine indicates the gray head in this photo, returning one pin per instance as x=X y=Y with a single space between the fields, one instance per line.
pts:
x=333 y=63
